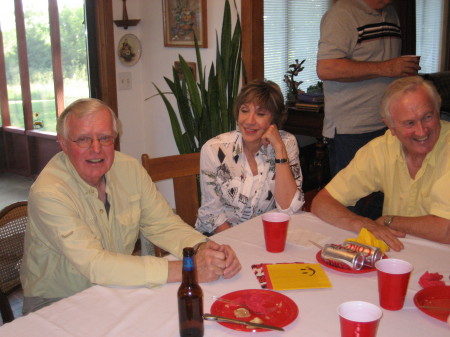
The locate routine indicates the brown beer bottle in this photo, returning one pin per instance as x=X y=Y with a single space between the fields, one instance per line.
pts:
x=190 y=299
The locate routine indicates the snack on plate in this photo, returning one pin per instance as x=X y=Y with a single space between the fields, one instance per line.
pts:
x=257 y=320
x=241 y=313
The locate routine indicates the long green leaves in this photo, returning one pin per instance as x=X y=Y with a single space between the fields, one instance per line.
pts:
x=206 y=110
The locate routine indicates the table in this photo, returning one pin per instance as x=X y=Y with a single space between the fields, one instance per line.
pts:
x=109 y=311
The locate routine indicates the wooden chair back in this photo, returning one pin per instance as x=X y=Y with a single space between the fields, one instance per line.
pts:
x=13 y=222
x=183 y=169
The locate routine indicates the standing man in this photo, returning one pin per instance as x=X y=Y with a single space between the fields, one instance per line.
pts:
x=86 y=210
x=410 y=163
x=358 y=56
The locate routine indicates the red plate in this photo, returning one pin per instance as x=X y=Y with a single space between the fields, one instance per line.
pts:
x=438 y=296
x=275 y=308
x=349 y=271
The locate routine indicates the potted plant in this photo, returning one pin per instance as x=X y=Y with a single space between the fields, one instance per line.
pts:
x=206 y=107
x=293 y=85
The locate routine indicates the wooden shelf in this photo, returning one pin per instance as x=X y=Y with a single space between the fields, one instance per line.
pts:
x=125 y=23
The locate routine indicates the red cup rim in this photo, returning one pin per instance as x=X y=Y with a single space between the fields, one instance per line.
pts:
x=276 y=217
x=406 y=267
x=372 y=306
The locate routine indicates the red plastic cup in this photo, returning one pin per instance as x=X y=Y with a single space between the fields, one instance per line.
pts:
x=359 y=319
x=393 y=279
x=275 y=231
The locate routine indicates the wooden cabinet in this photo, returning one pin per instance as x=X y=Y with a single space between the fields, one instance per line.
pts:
x=313 y=158
x=306 y=123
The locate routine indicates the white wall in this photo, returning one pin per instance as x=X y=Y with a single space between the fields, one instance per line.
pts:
x=146 y=125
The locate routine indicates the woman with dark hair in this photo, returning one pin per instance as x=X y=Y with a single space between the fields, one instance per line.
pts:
x=254 y=169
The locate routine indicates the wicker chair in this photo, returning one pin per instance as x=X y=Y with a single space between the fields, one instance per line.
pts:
x=13 y=222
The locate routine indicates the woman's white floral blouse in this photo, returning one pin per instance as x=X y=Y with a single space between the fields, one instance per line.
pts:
x=230 y=192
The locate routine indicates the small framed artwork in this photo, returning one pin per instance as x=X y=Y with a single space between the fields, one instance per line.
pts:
x=182 y=19
x=192 y=66
x=129 y=50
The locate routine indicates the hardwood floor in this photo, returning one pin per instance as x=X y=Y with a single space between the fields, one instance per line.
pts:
x=14 y=188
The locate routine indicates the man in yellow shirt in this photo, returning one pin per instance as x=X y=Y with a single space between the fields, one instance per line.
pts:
x=410 y=163
x=86 y=210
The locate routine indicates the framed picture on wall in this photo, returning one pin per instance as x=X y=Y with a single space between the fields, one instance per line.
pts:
x=182 y=19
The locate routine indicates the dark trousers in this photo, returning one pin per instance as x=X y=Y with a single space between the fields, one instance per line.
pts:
x=341 y=150
x=343 y=147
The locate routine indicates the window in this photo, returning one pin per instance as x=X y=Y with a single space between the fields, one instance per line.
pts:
x=53 y=72
x=429 y=33
x=292 y=31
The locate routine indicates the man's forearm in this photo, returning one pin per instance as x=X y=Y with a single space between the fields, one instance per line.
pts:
x=429 y=227
x=330 y=210
x=345 y=70
x=333 y=212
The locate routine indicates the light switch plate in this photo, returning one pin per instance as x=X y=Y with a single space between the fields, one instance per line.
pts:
x=125 y=80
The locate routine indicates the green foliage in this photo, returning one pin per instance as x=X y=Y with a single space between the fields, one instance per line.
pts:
x=73 y=46
x=73 y=42
x=315 y=88
x=206 y=110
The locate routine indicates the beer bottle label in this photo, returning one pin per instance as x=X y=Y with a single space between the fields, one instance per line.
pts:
x=188 y=264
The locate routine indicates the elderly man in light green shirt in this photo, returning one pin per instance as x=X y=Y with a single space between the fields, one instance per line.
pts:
x=410 y=164
x=86 y=211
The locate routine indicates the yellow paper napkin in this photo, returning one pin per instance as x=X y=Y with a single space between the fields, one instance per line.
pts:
x=367 y=238
x=285 y=276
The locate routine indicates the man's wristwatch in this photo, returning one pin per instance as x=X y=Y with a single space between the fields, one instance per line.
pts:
x=388 y=220
x=281 y=161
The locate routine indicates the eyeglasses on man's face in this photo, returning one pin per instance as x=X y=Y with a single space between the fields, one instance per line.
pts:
x=85 y=142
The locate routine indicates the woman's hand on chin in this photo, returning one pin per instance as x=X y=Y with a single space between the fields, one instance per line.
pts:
x=272 y=136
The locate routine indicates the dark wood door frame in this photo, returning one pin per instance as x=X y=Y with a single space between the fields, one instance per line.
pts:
x=252 y=12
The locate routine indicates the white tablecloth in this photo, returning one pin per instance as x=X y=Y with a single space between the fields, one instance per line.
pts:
x=103 y=311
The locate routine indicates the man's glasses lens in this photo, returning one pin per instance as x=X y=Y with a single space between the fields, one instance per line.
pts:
x=87 y=141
